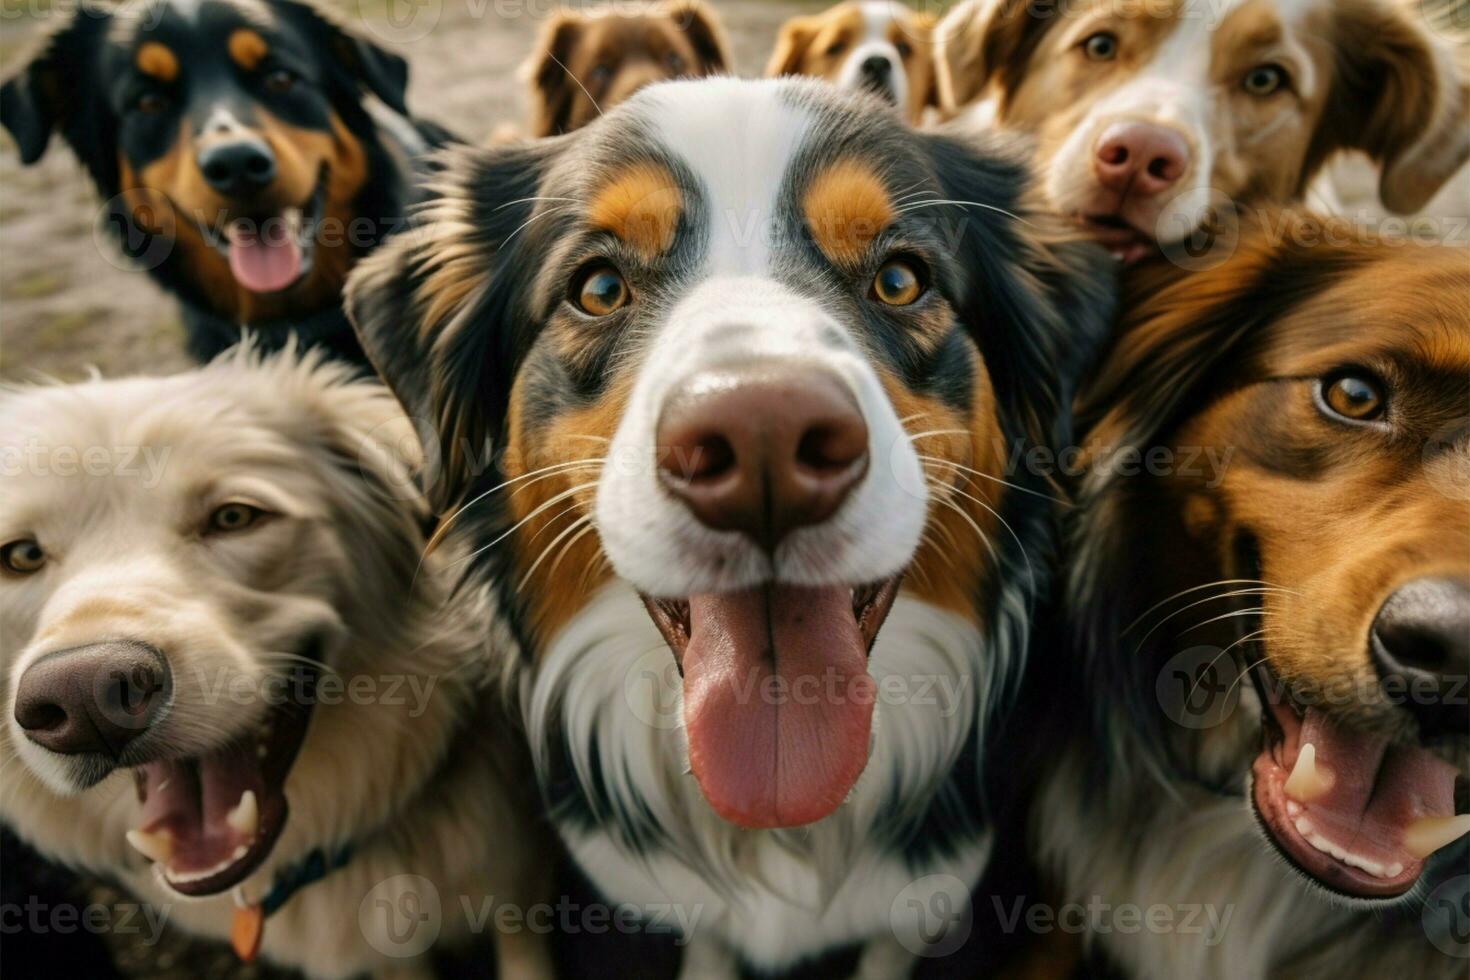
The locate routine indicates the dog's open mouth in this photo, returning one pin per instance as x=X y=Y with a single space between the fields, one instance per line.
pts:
x=271 y=252
x=208 y=822
x=778 y=703
x=1353 y=811
x=1123 y=241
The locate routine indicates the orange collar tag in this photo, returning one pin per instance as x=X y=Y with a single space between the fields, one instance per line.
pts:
x=246 y=930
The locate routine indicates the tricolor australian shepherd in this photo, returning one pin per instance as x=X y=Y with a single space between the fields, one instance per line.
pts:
x=249 y=151
x=229 y=683
x=1151 y=118
x=750 y=356
x=1271 y=619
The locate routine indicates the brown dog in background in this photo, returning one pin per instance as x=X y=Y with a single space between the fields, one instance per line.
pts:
x=588 y=61
x=864 y=45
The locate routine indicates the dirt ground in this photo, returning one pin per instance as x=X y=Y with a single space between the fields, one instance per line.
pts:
x=69 y=299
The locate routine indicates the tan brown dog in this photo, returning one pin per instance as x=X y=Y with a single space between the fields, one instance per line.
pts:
x=868 y=45
x=1147 y=117
x=586 y=62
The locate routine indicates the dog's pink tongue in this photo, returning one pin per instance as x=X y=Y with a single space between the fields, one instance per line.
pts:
x=265 y=260
x=1377 y=790
x=777 y=703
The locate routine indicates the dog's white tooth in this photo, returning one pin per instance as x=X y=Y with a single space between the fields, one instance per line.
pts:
x=157 y=846
x=1308 y=781
x=245 y=816
x=1394 y=870
x=1428 y=834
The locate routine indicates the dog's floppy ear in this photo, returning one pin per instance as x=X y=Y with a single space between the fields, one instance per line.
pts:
x=363 y=63
x=1038 y=299
x=53 y=85
x=981 y=41
x=1401 y=95
x=699 y=21
x=550 y=82
x=925 y=26
x=438 y=308
x=791 y=44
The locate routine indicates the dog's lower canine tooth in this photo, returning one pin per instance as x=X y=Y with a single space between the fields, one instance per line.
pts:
x=245 y=816
x=157 y=847
x=1307 y=781
x=1428 y=834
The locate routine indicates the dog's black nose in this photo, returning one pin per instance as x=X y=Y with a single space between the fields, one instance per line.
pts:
x=1421 y=647
x=239 y=167
x=877 y=67
x=95 y=698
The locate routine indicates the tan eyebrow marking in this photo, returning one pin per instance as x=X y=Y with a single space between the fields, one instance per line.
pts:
x=156 y=61
x=846 y=207
x=247 y=48
x=641 y=205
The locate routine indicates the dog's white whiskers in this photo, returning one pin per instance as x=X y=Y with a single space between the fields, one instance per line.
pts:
x=558 y=498
x=972 y=204
x=583 y=522
x=534 y=476
x=994 y=479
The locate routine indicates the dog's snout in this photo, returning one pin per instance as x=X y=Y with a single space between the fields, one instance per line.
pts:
x=1139 y=158
x=1421 y=648
x=92 y=699
x=238 y=167
x=762 y=451
x=877 y=67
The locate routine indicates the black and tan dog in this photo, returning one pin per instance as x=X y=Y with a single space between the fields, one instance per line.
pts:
x=250 y=152
x=1269 y=591
x=750 y=389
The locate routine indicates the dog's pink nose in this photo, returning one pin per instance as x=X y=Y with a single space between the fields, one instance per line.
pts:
x=1140 y=158
x=762 y=450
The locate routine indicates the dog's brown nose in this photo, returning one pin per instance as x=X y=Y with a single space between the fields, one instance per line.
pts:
x=762 y=450
x=1421 y=647
x=95 y=698
x=1141 y=159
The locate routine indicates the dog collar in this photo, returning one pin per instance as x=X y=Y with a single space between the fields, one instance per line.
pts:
x=248 y=926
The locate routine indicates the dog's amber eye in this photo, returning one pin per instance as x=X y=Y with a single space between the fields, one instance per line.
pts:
x=234 y=517
x=904 y=49
x=897 y=283
x=279 y=81
x=22 y=557
x=601 y=291
x=1355 y=397
x=1263 y=79
x=1101 y=46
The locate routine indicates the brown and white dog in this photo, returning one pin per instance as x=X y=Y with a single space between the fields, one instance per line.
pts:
x=226 y=672
x=1271 y=618
x=587 y=61
x=1150 y=118
x=878 y=46
x=750 y=389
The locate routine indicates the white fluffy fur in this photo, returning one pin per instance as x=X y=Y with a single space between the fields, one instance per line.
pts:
x=424 y=787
